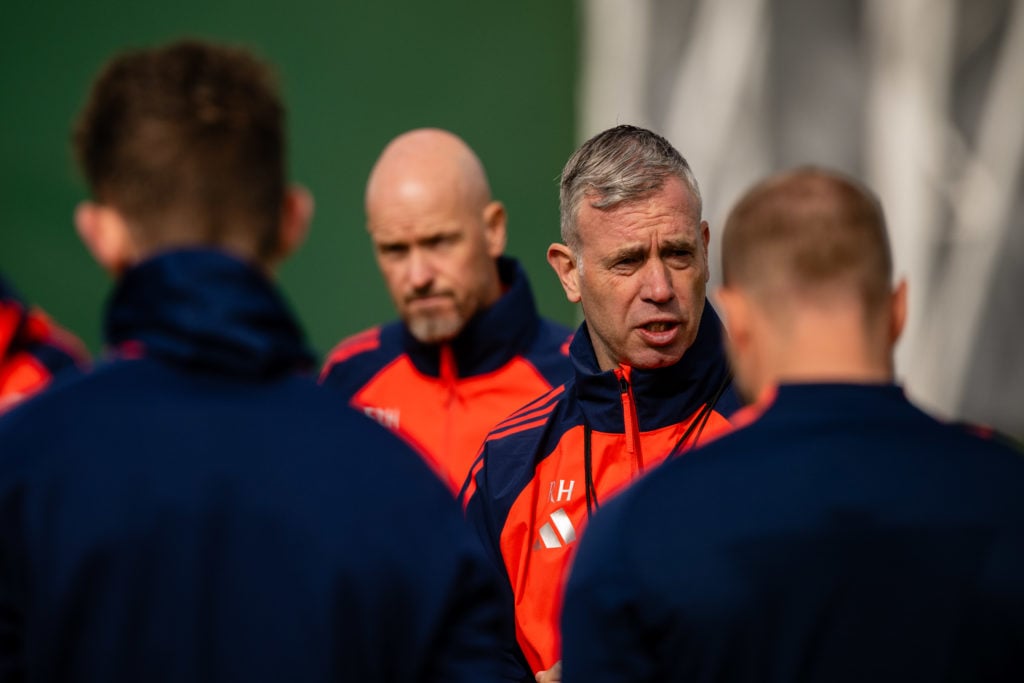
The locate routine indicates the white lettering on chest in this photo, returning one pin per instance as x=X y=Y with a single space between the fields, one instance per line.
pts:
x=561 y=490
x=386 y=416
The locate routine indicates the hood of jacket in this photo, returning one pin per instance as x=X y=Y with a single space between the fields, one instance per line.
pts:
x=205 y=309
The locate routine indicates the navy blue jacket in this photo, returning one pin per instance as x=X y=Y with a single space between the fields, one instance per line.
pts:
x=843 y=536
x=199 y=510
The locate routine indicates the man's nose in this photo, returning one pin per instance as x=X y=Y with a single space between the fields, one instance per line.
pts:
x=657 y=282
x=421 y=271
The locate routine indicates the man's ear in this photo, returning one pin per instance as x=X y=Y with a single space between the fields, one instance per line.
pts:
x=563 y=261
x=744 y=342
x=898 y=311
x=705 y=236
x=495 y=220
x=105 y=234
x=735 y=310
x=296 y=214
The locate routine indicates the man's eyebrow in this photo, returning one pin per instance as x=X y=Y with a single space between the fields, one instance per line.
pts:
x=638 y=250
x=682 y=243
x=438 y=234
x=627 y=251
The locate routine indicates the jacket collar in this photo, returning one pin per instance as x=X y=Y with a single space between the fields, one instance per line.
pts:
x=813 y=401
x=492 y=337
x=205 y=309
x=662 y=396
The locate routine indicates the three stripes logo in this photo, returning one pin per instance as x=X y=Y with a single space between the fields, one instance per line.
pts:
x=557 y=532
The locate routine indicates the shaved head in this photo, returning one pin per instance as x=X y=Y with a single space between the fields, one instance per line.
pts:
x=809 y=235
x=436 y=231
x=427 y=162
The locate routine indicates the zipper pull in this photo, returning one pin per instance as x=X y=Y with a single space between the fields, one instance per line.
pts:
x=628 y=413
x=448 y=371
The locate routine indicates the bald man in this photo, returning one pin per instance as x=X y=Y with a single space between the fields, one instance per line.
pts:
x=842 y=534
x=469 y=347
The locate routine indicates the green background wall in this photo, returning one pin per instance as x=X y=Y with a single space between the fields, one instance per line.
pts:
x=355 y=74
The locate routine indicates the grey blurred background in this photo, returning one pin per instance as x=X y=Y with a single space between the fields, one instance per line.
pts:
x=923 y=99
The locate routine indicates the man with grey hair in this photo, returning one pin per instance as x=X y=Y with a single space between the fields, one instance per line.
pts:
x=650 y=375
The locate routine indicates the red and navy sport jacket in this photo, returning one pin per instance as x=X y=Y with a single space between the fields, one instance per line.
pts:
x=545 y=469
x=32 y=349
x=442 y=399
x=199 y=509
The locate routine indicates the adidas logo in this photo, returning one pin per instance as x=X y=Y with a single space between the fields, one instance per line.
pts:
x=557 y=532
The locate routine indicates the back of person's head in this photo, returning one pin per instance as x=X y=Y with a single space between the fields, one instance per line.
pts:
x=807 y=288
x=808 y=235
x=621 y=164
x=187 y=143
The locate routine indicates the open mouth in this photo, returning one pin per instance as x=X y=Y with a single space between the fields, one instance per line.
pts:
x=660 y=332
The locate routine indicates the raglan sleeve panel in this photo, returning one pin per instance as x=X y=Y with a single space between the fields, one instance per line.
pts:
x=484 y=517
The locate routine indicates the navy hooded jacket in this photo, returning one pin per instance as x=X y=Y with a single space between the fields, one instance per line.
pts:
x=197 y=509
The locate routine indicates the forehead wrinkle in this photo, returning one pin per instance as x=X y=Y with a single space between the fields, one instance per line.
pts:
x=683 y=202
x=633 y=249
x=645 y=213
x=413 y=233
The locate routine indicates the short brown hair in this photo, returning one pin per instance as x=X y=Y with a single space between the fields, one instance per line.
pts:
x=808 y=233
x=187 y=142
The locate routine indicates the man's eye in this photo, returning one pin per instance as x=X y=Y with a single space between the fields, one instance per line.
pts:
x=393 y=250
x=680 y=255
x=440 y=241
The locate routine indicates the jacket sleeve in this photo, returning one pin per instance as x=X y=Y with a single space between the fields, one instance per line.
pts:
x=483 y=517
x=603 y=635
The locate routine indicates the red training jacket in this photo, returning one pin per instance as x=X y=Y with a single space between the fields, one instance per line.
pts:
x=442 y=399
x=544 y=470
x=32 y=349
